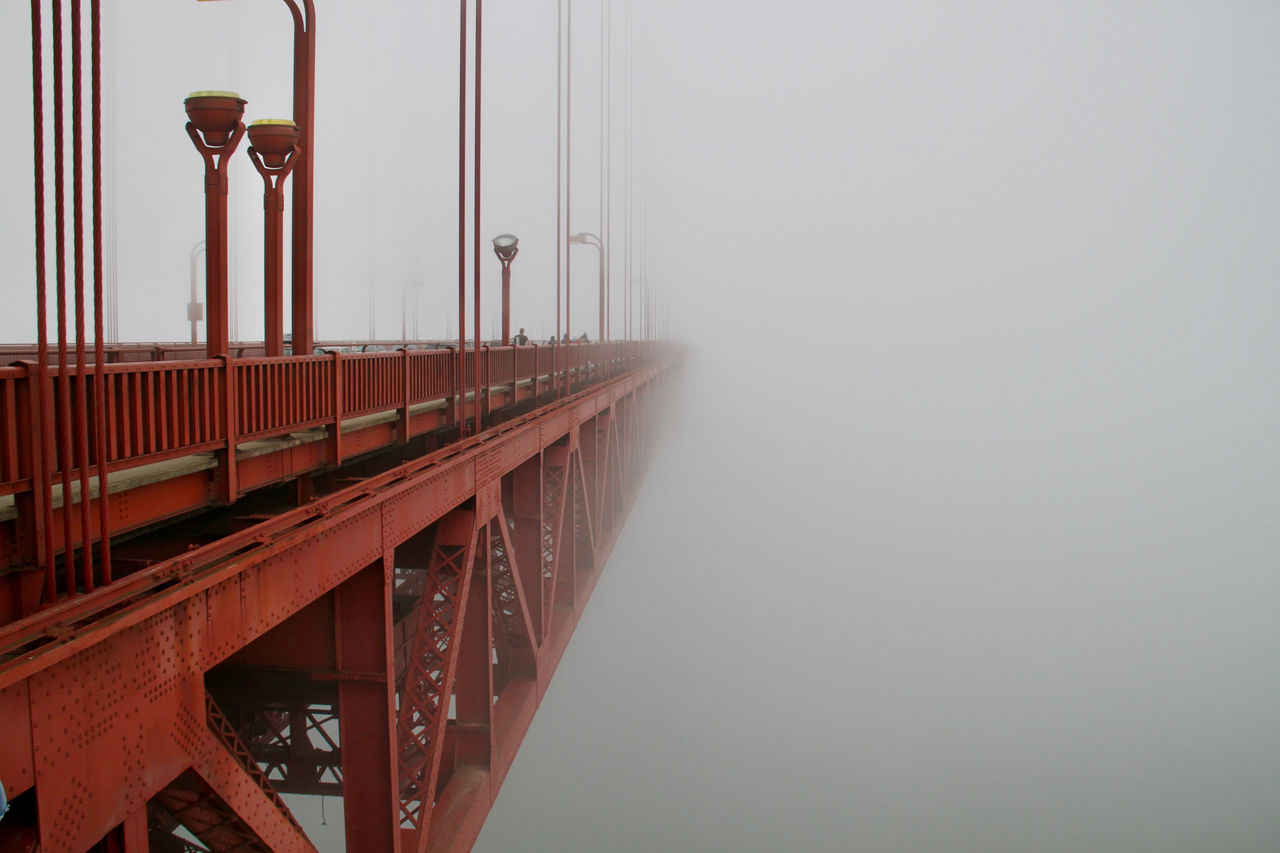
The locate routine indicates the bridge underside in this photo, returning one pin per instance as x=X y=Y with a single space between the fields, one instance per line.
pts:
x=387 y=642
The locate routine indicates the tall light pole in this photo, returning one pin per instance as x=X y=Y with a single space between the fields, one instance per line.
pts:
x=592 y=240
x=639 y=291
x=215 y=129
x=410 y=309
x=304 y=91
x=506 y=247
x=274 y=151
x=195 y=310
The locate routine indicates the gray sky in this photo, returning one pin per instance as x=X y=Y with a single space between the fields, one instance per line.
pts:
x=964 y=536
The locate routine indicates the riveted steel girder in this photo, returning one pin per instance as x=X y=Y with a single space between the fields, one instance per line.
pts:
x=438 y=597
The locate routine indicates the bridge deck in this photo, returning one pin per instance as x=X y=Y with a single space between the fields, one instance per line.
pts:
x=419 y=610
x=166 y=427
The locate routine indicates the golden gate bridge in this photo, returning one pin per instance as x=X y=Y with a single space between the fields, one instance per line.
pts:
x=234 y=571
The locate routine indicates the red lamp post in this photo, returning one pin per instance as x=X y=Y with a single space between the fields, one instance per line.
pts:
x=506 y=247
x=274 y=151
x=592 y=240
x=215 y=128
x=304 y=90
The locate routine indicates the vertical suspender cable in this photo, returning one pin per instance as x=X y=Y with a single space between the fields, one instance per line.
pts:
x=99 y=354
x=555 y=359
x=603 y=233
x=629 y=330
x=608 y=184
x=462 y=218
x=568 y=194
x=60 y=274
x=80 y=418
x=42 y=471
x=475 y=228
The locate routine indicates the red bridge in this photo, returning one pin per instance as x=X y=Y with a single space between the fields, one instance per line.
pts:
x=229 y=573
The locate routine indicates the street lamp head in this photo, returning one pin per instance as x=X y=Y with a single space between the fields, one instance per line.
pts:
x=274 y=139
x=505 y=246
x=215 y=114
x=585 y=238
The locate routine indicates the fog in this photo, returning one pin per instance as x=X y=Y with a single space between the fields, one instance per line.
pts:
x=963 y=535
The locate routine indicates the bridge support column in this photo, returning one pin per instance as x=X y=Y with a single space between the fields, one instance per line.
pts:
x=526 y=499
x=366 y=703
x=473 y=685
x=432 y=659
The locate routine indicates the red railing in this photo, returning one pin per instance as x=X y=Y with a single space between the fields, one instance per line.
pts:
x=162 y=409
x=430 y=374
x=279 y=395
x=15 y=471
x=371 y=382
x=155 y=410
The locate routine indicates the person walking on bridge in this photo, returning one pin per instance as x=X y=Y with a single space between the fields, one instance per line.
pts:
x=521 y=339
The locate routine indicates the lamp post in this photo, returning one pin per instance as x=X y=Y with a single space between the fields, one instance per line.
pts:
x=410 y=307
x=638 y=294
x=304 y=90
x=506 y=247
x=195 y=310
x=592 y=240
x=274 y=151
x=215 y=129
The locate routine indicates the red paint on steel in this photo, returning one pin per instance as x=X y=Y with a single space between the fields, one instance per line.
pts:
x=80 y=414
x=461 y=404
x=216 y=149
x=475 y=226
x=304 y=96
x=283 y=154
x=42 y=420
x=560 y=246
x=63 y=386
x=568 y=193
x=363 y=616
x=233 y=591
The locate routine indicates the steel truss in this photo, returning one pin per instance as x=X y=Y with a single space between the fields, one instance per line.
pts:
x=388 y=643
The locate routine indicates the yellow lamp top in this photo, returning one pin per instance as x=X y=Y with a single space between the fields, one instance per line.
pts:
x=214 y=93
x=273 y=121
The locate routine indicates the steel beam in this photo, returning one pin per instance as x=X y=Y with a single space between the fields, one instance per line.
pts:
x=104 y=695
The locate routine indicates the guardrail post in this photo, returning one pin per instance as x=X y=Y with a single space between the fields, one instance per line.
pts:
x=335 y=440
x=402 y=427
x=455 y=400
x=484 y=382
x=228 y=475
x=35 y=508
x=537 y=370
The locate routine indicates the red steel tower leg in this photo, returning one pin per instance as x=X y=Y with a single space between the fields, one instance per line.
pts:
x=526 y=512
x=366 y=701
x=554 y=482
x=430 y=667
x=473 y=685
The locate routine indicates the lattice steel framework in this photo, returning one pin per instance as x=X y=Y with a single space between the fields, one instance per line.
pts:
x=389 y=642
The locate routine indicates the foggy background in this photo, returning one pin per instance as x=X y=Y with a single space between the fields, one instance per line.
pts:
x=963 y=536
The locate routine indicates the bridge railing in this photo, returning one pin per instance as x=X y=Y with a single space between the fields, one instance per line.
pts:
x=280 y=395
x=431 y=374
x=15 y=449
x=150 y=411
